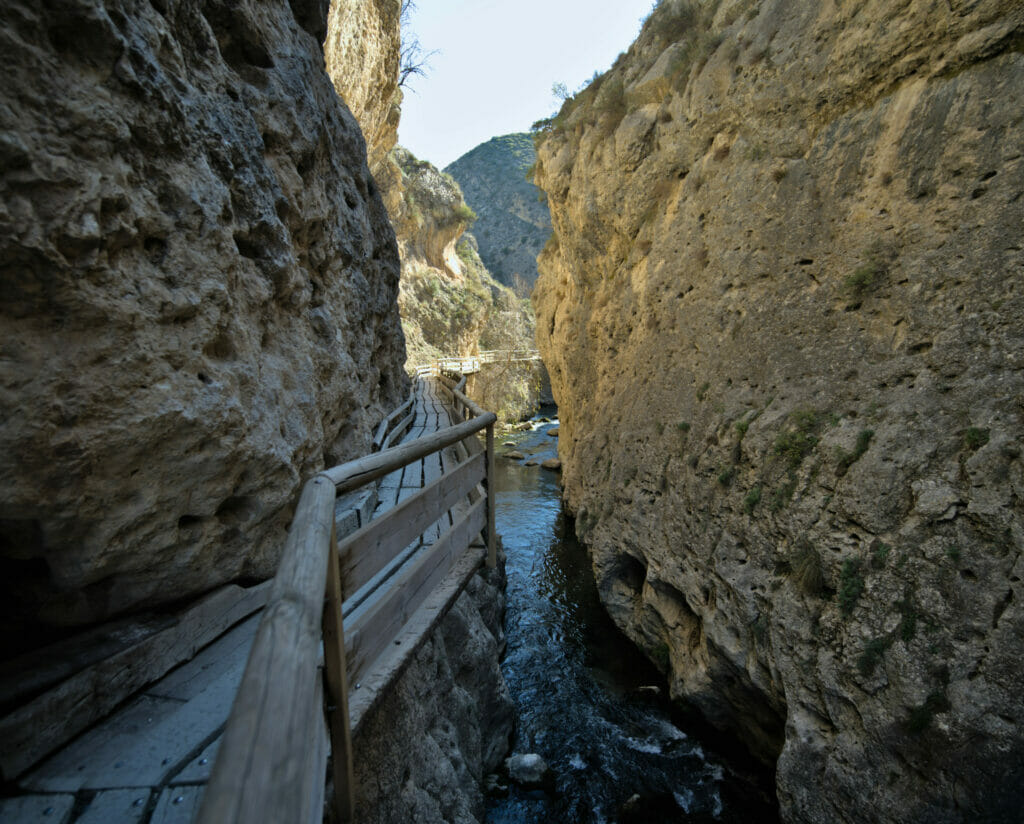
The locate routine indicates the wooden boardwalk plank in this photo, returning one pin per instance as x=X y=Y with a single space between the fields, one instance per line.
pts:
x=197 y=771
x=364 y=553
x=69 y=769
x=394 y=659
x=37 y=809
x=141 y=745
x=177 y=805
x=228 y=652
x=380 y=618
x=116 y=807
x=52 y=719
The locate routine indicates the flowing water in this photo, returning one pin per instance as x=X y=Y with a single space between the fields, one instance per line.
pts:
x=576 y=682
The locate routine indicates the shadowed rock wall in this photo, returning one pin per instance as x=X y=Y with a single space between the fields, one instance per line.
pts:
x=782 y=315
x=197 y=296
x=422 y=754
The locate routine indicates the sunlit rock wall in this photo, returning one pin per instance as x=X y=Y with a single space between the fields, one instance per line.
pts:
x=362 y=55
x=782 y=313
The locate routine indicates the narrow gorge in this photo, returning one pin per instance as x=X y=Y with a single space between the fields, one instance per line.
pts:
x=764 y=560
x=781 y=310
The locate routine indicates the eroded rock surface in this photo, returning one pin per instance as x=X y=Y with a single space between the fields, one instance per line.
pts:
x=198 y=286
x=425 y=751
x=362 y=51
x=782 y=317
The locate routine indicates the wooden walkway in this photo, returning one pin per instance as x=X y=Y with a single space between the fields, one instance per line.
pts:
x=150 y=760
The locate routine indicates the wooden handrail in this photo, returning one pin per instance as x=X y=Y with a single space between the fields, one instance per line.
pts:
x=352 y=475
x=267 y=760
x=385 y=425
x=261 y=770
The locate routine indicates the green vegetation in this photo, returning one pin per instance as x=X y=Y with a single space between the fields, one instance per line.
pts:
x=799 y=440
x=975 y=438
x=851 y=585
x=783 y=495
x=683 y=426
x=752 y=499
x=464 y=213
x=908 y=623
x=611 y=101
x=879 y=555
x=759 y=627
x=726 y=476
x=869 y=274
x=741 y=427
x=953 y=553
x=805 y=565
x=874 y=650
x=703 y=391
x=863 y=277
x=847 y=459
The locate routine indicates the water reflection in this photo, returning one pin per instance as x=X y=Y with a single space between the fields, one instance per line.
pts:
x=576 y=683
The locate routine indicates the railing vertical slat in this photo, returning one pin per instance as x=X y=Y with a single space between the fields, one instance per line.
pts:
x=492 y=547
x=337 y=689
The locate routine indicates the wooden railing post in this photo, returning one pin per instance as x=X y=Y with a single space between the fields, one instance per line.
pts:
x=337 y=691
x=492 y=547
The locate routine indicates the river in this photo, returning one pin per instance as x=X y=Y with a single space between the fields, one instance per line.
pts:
x=576 y=682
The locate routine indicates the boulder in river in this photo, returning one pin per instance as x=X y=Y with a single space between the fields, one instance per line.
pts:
x=515 y=456
x=552 y=463
x=553 y=432
x=527 y=769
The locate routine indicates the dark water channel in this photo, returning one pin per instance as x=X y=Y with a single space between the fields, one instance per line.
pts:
x=576 y=684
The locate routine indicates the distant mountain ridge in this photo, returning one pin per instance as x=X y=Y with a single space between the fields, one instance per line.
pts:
x=513 y=221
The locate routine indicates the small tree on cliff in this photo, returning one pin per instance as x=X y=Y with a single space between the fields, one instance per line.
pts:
x=413 y=59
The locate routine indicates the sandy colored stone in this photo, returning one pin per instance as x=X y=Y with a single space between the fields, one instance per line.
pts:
x=551 y=463
x=783 y=230
x=198 y=297
x=361 y=51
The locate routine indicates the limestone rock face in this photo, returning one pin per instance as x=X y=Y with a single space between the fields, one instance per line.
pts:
x=362 y=54
x=424 y=752
x=445 y=294
x=783 y=320
x=513 y=222
x=198 y=286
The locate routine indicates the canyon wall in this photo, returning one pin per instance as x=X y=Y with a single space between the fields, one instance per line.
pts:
x=198 y=285
x=445 y=293
x=782 y=313
x=447 y=723
x=362 y=51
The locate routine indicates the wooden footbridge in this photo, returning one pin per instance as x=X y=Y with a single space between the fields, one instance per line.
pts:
x=473 y=363
x=229 y=711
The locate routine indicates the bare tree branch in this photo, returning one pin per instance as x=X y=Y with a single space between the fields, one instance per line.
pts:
x=414 y=60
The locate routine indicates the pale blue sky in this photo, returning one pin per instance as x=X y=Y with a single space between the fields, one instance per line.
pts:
x=497 y=61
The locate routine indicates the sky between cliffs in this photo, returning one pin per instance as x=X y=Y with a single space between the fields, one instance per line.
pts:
x=497 y=62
